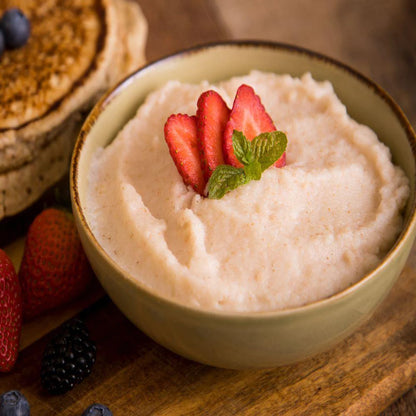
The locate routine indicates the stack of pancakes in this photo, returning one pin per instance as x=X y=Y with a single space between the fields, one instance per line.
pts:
x=76 y=51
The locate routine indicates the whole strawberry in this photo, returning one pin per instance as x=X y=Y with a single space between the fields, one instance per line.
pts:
x=10 y=313
x=54 y=268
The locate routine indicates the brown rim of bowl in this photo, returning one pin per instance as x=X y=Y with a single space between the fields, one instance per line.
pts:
x=107 y=98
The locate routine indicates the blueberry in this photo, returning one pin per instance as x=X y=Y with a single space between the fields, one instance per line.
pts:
x=13 y=403
x=15 y=27
x=97 y=410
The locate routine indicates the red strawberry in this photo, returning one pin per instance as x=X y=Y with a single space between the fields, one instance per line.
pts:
x=54 y=268
x=181 y=137
x=249 y=116
x=10 y=313
x=212 y=116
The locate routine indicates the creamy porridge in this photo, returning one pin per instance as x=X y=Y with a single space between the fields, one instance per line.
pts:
x=300 y=234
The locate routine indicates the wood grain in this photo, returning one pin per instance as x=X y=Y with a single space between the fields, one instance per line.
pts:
x=361 y=376
x=136 y=376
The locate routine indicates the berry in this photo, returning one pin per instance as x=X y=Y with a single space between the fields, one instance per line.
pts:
x=15 y=27
x=212 y=116
x=181 y=138
x=54 y=267
x=97 y=410
x=2 y=43
x=68 y=358
x=10 y=313
x=13 y=403
x=249 y=116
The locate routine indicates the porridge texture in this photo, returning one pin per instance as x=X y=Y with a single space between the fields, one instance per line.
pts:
x=300 y=234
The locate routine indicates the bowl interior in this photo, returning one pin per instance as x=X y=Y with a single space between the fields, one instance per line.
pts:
x=365 y=101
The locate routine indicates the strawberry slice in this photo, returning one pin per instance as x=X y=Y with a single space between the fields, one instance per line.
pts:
x=249 y=116
x=10 y=313
x=212 y=116
x=181 y=138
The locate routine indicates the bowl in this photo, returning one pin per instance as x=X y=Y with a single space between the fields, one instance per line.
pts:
x=240 y=340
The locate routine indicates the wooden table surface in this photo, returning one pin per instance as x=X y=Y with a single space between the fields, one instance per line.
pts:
x=135 y=376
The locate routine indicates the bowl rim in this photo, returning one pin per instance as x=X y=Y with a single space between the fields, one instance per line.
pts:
x=117 y=89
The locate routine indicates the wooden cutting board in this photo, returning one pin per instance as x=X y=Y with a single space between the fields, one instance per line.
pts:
x=135 y=376
x=362 y=375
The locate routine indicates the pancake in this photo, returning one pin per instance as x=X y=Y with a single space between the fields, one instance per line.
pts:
x=35 y=77
x=76 y=51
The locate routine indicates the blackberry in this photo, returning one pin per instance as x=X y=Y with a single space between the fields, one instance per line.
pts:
x=13 y=403
x=97 y=410
x=68 y=358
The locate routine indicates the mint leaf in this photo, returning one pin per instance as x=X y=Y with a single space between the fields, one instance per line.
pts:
x=242 y=148
x=224 y=179
x=268 y=147
x=256 y=156
x=253 y=170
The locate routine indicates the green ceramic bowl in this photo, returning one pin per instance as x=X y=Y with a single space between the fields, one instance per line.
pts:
x=246 y=340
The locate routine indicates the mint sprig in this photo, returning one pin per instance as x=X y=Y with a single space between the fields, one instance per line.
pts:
x=256 y=156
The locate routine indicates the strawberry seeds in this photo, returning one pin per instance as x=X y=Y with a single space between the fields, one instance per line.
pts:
x=199 y=144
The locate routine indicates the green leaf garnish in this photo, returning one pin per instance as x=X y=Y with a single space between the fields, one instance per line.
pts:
x=253 y=170
x=242 y=148
x=256 y=156
x=268 y=147
x=224 y=179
